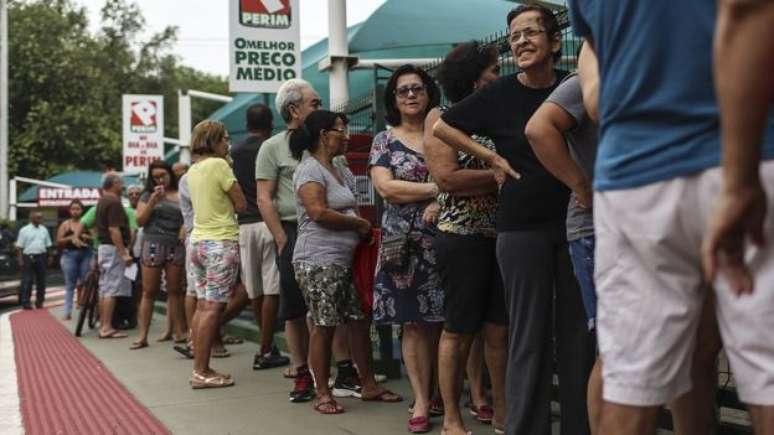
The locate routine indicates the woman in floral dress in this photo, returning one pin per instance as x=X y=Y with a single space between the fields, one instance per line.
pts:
x=410 y=296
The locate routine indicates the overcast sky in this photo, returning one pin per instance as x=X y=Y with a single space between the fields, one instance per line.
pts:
x=203 y=25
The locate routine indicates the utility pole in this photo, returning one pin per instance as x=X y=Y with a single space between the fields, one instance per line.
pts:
x=3 y=109
x=338 y=52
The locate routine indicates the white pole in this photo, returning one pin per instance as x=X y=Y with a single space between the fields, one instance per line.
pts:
x=338 y=46
x=4 y=193
x=13 y=208
x=184 y=125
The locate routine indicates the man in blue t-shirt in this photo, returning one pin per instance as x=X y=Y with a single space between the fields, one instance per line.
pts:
x=656 y=178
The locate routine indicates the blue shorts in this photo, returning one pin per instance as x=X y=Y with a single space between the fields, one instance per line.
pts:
x=582 y=255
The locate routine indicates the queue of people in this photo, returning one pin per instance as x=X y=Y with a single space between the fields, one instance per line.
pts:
x=534 y=214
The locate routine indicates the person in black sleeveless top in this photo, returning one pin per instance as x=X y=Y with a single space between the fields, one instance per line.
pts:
x=76 y=255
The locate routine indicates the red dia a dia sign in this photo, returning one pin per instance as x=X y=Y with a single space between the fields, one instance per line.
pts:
x=270 y=14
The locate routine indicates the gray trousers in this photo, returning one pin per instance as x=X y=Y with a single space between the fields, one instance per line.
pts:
x=546 y=314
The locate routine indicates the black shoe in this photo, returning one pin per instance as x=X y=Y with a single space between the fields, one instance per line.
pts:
x=347 y=387
x=27 y=307
x=270 y=360
x=303 y=387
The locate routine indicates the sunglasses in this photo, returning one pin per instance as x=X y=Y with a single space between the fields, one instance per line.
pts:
x=404 y=91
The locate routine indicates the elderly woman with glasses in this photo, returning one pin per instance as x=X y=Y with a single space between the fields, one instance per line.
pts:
x=409 y=294
x=158 y=213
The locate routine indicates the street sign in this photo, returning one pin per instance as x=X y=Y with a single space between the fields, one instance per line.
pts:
x=62 y=196
x=264 y=44
x=143 y=132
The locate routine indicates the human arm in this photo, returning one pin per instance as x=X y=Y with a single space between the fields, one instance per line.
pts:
x=545 y=133
x=237 y=197
x=399 y=191
x=118 y=241
x=743 y=61
x=269 y=213
x=443 y=166
x=146 y=205
x=61 y=240
x=312 y=196
x=588 y=73
x=461 y=141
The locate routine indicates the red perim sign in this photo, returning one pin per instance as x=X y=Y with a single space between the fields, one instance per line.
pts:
x=270 y=14
x=143 y=119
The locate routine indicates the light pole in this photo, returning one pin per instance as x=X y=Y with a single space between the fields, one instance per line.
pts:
x=3 y=109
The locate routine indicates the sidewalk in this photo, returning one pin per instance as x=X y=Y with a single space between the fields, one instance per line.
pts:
x=157 y=377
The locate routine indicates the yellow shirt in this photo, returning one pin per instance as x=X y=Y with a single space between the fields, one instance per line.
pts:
x=209 y=181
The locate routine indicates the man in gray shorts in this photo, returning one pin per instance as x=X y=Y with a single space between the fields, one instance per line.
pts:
x=112 y=255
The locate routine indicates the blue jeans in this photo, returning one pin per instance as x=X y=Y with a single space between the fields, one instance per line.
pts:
x=76 y=264
x=582 y=255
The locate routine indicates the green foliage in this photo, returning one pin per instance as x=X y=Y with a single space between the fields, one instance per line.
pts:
x=66 y=83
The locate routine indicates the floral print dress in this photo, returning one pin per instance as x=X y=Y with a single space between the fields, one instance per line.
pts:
x=413 y=295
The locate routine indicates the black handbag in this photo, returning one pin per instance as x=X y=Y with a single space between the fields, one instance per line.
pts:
x=395 y=251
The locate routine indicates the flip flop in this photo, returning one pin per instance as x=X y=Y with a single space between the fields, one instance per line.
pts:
x=220 y=354
x=138 y=345
x=183 y=340
x=328 y=407
x=113 y=334
x=232 y=339
x=288 y=373
x=382 y=396
x=164 y=338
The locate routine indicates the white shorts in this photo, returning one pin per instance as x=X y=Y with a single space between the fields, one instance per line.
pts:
x=258 y=255
x=650 y=292
x=190 y=276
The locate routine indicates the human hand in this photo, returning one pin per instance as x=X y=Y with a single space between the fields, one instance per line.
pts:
x=77 y=242
x=502 y=170
x=127 y=258
x=430 y=215
x=739 y=214
x=157 y=195
x=281 y=241
x=364 y=229
x=584 y=195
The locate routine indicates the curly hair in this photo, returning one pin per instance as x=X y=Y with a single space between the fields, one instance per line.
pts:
x=392 y=115
x=459 y=71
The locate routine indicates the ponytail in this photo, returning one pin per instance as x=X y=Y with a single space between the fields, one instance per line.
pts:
x=307 y=136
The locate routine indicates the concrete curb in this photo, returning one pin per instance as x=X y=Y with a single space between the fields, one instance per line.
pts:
x=10 y=411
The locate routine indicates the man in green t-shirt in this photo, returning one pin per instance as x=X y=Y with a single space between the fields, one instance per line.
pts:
x=89 y=218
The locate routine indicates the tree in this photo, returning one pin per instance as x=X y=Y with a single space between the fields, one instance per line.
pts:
x=66 y=84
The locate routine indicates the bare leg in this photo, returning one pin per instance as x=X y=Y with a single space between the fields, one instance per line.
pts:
x=268 y=318
x=416 y=355
x=762 y=419
x=496 y=354
x=175 y=295
x=236 y=304
x=628 y=420
x=360 y=345
x=475 y=371
x=694 y=411
x=320 y=358
x=207 y=314
x=151 y=280
x=190 y=309
x=107 y=305
x=594 y=397
x=452 y=354
x=297 y=336
x=341 y=351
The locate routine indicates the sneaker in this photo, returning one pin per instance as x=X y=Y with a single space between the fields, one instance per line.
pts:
x=347 y=387
x=270 y=360
x=303 y=387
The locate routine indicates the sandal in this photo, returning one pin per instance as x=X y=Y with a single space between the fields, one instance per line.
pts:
x=138 y=345
x=328 y=407
x=290 y=373
x=483 y=414
x=383 y=396
x=199 y=381
x=183 y=340
x=499 y=429
x=222 y=353
x=232 y=339
x=113 y=334
x=163 y=338
x=186 y=351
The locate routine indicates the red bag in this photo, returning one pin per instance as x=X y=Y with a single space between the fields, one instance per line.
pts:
x=364 y=270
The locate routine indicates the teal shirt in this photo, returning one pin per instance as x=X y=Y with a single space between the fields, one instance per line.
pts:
x=33 y=240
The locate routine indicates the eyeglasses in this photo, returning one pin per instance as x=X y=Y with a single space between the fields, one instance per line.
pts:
x=527 y=33
x=344 y=131
x=404 y=91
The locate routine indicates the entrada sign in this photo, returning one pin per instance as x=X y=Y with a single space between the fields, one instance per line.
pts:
x=62 y=196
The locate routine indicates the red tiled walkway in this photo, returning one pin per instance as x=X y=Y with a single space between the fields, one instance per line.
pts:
x=64 y=389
